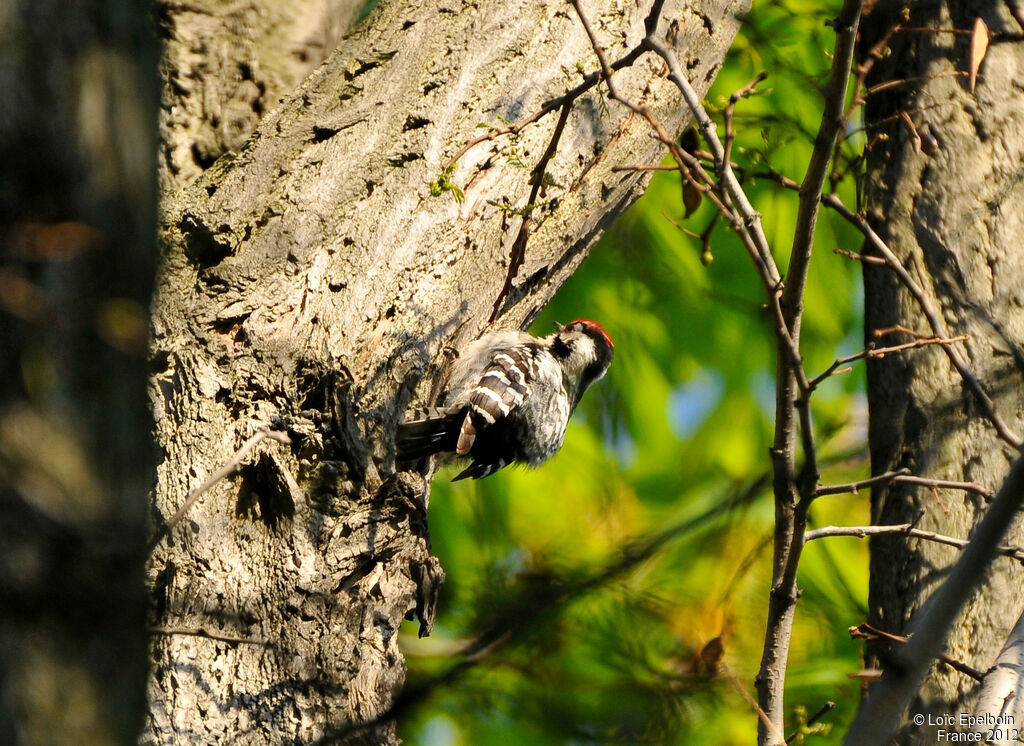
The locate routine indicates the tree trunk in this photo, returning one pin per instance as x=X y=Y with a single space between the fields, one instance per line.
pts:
x=225 y=65
x=951 y=213
x=316 y=282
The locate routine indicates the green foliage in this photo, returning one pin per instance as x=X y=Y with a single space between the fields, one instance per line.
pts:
x=680 y=427
x=444 y=183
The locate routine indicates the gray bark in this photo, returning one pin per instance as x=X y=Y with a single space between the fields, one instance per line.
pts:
x=311 y=281
x=226 y=65
x=953 y=217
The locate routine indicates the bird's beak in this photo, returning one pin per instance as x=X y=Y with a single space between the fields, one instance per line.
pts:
x=559 y=328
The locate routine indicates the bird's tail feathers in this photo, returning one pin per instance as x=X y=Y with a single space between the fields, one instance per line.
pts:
x=424 y=437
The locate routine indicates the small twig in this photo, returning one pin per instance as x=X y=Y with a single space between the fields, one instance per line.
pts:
x=751 y=219
x=233 y=463
x=901 y=329
x=745 y=220
x=761 y=714
x=201 y=632
x=642 y=167
x=874 y=55
x=518 y=253
x=785 y=304
x=902 y=476
x=606 y=70
x=907 y=529
x=814 y=179
x=589 y=81
x=730 y=133
x=926 y=30
x=880 y=352
x=896 y=82
x=824 y=710
x=866 y=258
x=865 y=631
x=855 y=487
x=945 y=484
x=915 y=137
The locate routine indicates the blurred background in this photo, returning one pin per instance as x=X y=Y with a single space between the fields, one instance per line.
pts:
x=617 y=595
x=78 y=113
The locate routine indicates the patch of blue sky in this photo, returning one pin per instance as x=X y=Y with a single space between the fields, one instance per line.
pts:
x=690 y=403
x=762 y=386
x=440 y=730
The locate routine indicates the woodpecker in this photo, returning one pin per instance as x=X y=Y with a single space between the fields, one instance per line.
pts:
x=509 y=397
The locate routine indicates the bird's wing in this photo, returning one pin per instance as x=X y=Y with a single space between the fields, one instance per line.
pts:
x=503 y=385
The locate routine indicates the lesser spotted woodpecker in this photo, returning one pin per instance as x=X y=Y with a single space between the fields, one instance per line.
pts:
x=509 y=397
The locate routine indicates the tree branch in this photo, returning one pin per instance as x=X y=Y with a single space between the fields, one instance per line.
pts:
x=902 y=475
x=907 y=529
x=880 y=352
x=814 y=179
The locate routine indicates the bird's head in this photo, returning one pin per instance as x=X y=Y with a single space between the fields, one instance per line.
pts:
x=585 y=349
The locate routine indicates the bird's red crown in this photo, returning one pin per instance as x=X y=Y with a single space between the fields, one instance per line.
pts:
x=595 y=328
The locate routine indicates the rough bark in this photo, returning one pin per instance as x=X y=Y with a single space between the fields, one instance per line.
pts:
x=226 y=65
x=313 y=282
x=77 y=250
x=952 y=215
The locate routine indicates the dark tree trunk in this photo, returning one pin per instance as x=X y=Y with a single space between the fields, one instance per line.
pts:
x=312 y=282
x=953 y=215
x=77 y=251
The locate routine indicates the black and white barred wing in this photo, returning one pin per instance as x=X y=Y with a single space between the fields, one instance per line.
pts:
x=503 y=386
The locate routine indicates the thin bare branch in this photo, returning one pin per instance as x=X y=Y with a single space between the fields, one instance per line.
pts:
x=814 y=179
x=741 y=215
x=642 y=167
x=907 y=529
x=947 y=485
x=730 y=133
x=865 y=258
x=855 y=487
x=790 y=510
x=589 y=81
x=876 y=53
x=751 y=218
x=880 y=352
x=518 y=252
x=761 y=714
x=904 y=477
